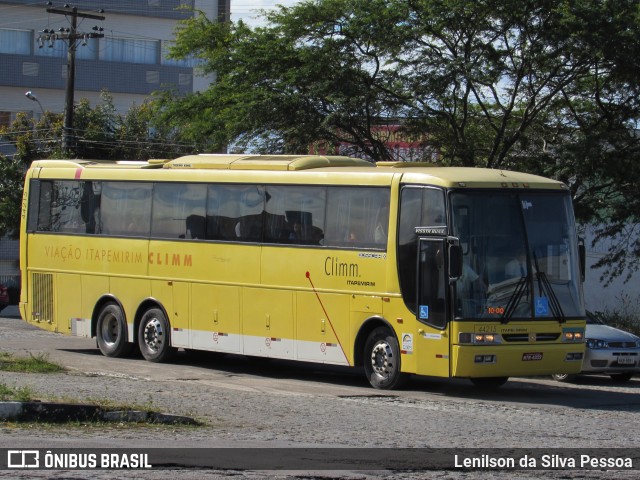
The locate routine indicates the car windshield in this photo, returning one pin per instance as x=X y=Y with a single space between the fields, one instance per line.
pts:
x=519 y=255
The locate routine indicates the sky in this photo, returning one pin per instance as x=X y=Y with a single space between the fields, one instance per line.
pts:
x=247 y=10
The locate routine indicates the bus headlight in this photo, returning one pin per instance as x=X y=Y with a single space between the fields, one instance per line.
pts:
x=479 y=338
x=573 y=336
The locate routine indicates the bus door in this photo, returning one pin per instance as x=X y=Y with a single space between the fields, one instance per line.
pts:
x=433 y=347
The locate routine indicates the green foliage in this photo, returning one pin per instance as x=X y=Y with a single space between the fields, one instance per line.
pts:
x=32 y=364
x=11 y=178
x=474 y=75
x=545 y=86
x=103 y=134
x=20 y=394
x=99 y=133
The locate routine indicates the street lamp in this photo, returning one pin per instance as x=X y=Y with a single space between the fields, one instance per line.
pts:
x=31 y=96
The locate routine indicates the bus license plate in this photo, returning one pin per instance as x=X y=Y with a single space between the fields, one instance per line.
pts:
x=532 y=357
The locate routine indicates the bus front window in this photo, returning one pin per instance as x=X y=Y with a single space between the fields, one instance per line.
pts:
x=519 y=256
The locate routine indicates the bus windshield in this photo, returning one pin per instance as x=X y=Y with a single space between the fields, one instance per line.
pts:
x=520 y=259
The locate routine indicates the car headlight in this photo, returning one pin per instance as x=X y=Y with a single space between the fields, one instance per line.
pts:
x=594 y=344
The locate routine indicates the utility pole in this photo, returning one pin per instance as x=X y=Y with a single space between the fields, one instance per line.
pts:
x=72 y=35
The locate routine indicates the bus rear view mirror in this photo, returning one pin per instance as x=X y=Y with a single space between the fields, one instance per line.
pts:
x=582 y=253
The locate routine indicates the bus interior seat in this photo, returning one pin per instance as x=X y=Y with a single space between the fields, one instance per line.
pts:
x=196 y=227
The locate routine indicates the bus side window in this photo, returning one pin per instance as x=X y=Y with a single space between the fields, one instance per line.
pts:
x=294 y=215
x=132 y=198
x=356 y=214
x=179 y=211
x=234 y=212
x=419 y=206
x=62 y=207
x=249 y=228
x=44 y=220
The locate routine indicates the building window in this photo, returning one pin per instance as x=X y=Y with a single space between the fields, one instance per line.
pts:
x=130 y=51
x=174 y=62
x=17 y=42
x=59 y=49
x=5 y=119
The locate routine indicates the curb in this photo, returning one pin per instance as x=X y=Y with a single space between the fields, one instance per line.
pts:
x=72 y=412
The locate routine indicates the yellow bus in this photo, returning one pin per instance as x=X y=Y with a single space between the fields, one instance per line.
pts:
x=398 y=268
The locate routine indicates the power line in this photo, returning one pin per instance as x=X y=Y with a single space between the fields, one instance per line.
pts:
x=71 y=35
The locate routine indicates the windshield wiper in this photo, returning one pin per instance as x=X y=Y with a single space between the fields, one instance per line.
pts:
x=521 y=287
x=544 y=286
x=554 y=303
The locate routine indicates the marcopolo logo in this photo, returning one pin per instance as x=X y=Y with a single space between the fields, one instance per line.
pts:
x=23 y=459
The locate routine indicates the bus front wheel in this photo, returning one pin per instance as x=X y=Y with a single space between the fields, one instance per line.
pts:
x=154 y=336
x=382 y=360
x=111 y=332
x=563 y=377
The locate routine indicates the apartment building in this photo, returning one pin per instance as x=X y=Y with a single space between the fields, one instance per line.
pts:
x=130 y=60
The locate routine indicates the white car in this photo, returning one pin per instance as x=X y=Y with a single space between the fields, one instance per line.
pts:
x=609 y=351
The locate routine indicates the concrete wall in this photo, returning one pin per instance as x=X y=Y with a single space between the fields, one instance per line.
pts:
x=599 y=297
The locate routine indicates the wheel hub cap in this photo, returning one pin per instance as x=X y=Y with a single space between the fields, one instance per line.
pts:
x=382 y=359
x=110 y=329
x=153 y=334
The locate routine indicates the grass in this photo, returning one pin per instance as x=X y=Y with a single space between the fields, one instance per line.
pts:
x=40 y=364
x=32 y=364
x=20 y=394
x=108 y=404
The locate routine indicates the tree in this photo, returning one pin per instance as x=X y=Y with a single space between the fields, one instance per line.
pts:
x=549 y=87
x=100 y=133
x=12 y=176
x=284 y=87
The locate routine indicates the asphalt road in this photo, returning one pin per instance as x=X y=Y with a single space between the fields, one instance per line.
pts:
x=246 y=402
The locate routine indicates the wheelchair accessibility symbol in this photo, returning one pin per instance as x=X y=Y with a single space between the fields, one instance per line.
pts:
x=542 y=306
x=424 y=312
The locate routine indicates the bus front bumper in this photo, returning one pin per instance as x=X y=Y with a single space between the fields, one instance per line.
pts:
x=516 y=360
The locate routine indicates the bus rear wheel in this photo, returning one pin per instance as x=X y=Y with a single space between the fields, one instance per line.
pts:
x=111 y=332
x=154 y=337
x=382 y=360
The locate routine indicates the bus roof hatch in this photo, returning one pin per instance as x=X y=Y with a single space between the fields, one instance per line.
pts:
x=263 y=162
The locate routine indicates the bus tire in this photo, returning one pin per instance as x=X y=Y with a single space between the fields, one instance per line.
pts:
x=154 y=337
x=621 y=377
x=563 y=377
x=111 y=332
x=382 y=360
